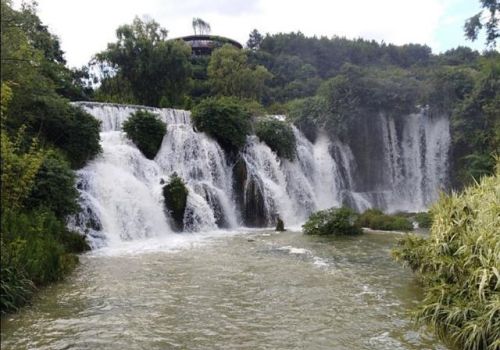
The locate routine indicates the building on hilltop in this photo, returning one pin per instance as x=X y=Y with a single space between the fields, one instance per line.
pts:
x=204 y=44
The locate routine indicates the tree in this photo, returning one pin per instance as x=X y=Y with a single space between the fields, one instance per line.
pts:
x=254 y=40
x=200 y=27
x=153 y=67
x=230 y=75
x=490 y=22
x=37 y=188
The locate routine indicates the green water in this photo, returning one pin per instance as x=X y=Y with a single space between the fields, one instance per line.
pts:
x=249 y=291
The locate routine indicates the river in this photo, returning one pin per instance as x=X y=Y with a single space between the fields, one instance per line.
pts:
x=246 y=290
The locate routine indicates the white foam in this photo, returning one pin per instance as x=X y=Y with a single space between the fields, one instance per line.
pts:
x=294 y=250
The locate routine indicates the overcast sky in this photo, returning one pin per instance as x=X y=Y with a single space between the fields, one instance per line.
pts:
x=86 y=26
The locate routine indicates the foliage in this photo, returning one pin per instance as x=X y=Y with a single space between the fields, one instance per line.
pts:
x=200 y=27
x=475 y=125
x=254 y=40
x=152 y=66
x=278 y=135
x=146 y=131
x=280 y=225
x=377 y=220
x=224 y=119
x=175 y=194
x=307 y=114
x=474 y=24
x=67 y=127
x=354 y=94
x=333 y=221
x=423 y=219
x=230 y=75
x=40 y=129
x=15 y=288
x=458 y=265
x=33 y=69
x=327 y=55
x=19 y=169
x=54 y=187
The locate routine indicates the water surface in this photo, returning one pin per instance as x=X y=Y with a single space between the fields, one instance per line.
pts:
x=249 y=291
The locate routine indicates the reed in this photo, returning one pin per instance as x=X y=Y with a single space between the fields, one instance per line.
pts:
x=459 y=265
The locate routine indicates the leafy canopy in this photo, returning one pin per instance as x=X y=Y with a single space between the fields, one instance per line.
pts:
x=152 y=67
x=230 y=75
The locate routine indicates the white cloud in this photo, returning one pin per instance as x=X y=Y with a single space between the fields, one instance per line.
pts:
x=85 y=27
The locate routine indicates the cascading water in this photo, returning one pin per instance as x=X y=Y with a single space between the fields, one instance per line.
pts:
x=121 y=189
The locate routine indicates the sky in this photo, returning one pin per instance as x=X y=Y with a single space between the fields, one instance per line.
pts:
x=84 y=27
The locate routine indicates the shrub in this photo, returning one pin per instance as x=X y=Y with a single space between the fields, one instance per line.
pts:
x=39 y=244
x=333 y=221
x=278 y=136
x=224 y=119
x=175 y=194
x=458 y=266
x=54 y=187
x=424 y=220
x=377 y=220
x=146 y=131
x=62 y=125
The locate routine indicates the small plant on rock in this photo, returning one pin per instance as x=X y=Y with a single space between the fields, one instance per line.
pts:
x=175 y=194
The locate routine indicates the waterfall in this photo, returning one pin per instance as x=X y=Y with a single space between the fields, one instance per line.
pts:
x=120 y=191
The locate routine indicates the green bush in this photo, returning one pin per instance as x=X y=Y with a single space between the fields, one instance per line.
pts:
x=175 y=194
x=38 y=247
x=278 y=136
x=377 y=220
x=424 y=220
x=62 y=125
x=459 y=266
x=333 y=221
x=224 y=119
x=146 y=131
x=54 y=187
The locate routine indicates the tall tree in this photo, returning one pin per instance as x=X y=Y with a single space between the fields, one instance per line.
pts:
x=254 y=40
x=154 y=68
x=230 y=75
